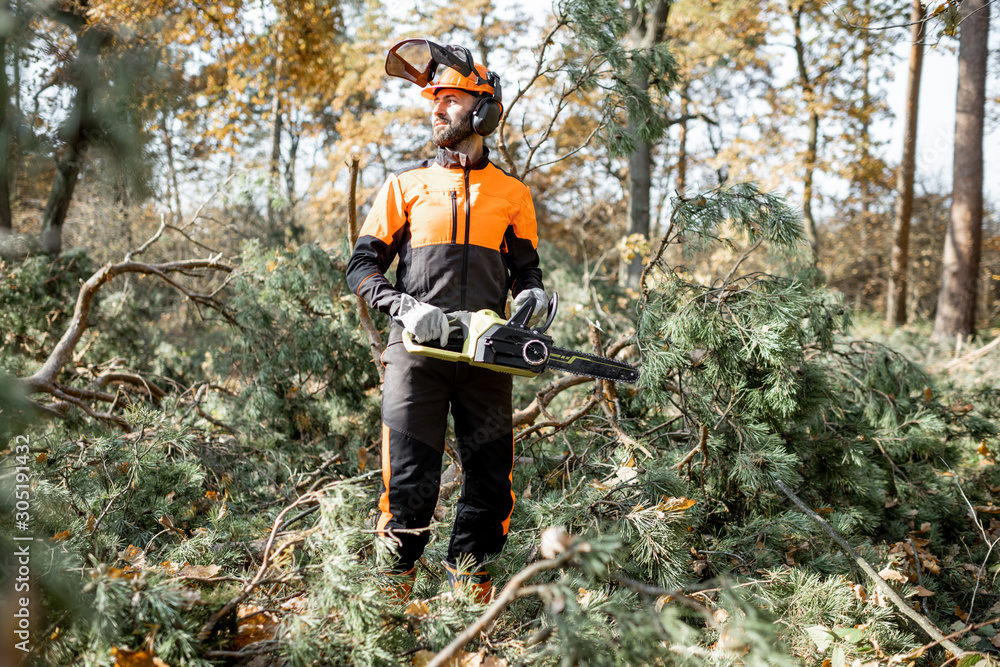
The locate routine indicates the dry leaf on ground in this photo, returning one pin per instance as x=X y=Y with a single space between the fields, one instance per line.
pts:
x=126 y=658
x=463 y=659
x=199 y=571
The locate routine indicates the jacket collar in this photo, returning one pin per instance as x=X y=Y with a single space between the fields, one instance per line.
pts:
x=450 y=159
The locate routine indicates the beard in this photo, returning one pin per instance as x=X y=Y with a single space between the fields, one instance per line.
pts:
x=454 y=133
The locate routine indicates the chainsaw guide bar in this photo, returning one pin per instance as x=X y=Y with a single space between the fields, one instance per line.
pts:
x=485 y=339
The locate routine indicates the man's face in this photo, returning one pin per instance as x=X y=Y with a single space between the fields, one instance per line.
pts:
x=450 y=122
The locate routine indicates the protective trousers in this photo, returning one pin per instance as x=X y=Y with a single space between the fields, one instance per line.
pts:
x=415 y=400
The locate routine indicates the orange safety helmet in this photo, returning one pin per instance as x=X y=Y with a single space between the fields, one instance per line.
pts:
x=417 y=61
x=451 y=78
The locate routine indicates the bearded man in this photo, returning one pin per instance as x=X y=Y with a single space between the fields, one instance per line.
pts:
x=464 y=233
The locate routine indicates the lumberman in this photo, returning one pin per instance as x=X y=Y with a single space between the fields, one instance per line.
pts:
x=465 y=235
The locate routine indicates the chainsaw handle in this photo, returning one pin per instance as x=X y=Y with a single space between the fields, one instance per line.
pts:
x=524 y=313
x=553 y=307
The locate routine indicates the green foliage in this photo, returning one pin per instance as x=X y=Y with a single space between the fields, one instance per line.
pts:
x=36 y=301
x=633 y=81
x=299 y=352
x=750 y=379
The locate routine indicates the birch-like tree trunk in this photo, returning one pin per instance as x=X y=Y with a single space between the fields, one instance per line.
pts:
x=895 y=307
x=682 y=156
x=812 y=142
x=275 y=161
x=168 y=143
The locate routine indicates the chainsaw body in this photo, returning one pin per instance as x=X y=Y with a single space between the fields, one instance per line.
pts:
x=484 y=338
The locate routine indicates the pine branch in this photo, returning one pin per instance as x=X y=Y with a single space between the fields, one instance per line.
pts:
x=643 y=289
x=514 y=589
x=700 y=448
x=932 y=630
x=206 y=629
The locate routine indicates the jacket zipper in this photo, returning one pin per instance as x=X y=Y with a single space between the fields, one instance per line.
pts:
x=465 y=249
x=454 y=216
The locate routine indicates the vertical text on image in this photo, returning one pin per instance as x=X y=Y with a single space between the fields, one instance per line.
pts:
x=22 y=554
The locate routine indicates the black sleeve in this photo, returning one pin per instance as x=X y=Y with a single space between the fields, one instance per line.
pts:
x=522 y=262
x=366 y=273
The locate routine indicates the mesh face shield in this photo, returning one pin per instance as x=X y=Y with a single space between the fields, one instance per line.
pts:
x=418 y=61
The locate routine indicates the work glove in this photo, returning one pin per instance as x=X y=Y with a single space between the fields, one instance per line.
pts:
x=541 y=304
x=424 y=321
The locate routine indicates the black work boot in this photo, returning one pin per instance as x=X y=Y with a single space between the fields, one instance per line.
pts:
x=479 y=583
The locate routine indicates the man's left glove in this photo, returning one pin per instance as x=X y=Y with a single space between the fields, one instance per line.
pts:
x=537 y=294
x=424 y=321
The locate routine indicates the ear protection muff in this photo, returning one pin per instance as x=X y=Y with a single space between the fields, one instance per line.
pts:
x=486 y=114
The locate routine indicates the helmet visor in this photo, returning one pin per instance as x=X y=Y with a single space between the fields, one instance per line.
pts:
x=411 y=60
x=417 y=60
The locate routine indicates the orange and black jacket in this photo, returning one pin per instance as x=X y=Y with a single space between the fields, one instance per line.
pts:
x=465 y=234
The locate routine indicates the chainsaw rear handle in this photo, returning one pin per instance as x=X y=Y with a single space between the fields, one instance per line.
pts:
x=518 y=319
x=523 y=315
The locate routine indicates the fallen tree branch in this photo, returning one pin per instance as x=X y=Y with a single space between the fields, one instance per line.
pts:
x=925 y=623
x=542 y=399
x=154 y=392
x=56 y=390
x=513 y=590
x=647 y=590
x=561 y=424
x=917 y=652
x=44 y=379
x=374 y=339
x=971 y=356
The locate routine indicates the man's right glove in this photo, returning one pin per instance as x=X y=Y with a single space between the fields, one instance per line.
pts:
x=424 y=321
x=541 y=300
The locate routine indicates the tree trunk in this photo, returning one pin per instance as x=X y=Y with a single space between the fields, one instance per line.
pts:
x=895 y=307
x=807 y=186
x=292 y=229
x=640 y=166
x=76 y=134
x=956 y=307
x=275 y=162
x=864 y=183
x=168 y=144
x=61 y=194
x=813 y=141
x=6 y=219
x=648 y=29
x=682 y=143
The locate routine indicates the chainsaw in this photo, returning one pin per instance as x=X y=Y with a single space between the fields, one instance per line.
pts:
x=484 y=338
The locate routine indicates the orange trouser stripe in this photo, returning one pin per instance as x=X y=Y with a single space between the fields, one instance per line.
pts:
x=513 y=498
x=383 y=501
